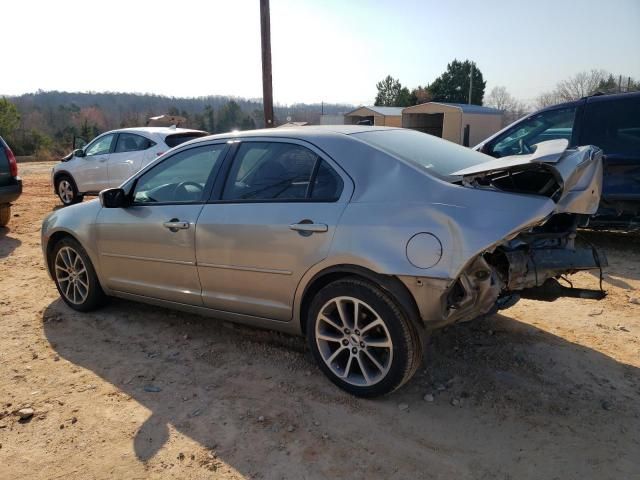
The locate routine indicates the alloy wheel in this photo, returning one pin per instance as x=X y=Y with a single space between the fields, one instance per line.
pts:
x=65 y=190
x=353 y=341
x=71 y=275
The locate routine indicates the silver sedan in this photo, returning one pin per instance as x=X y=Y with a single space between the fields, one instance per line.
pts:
x=360 y=238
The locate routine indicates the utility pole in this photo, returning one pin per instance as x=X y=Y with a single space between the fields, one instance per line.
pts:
x=267 y=89
x=470 y=82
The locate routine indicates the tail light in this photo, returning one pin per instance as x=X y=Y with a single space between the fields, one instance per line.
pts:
x=13 y=164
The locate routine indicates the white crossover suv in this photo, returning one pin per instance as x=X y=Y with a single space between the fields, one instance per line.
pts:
x=112 y=157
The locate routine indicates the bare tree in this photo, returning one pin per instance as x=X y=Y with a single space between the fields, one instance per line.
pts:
x=547 y=99
x=581 y=84
x=501 y=99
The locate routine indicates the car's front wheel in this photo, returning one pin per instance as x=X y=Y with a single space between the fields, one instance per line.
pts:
x=361 y=339
x=75 y=276
x=67 y=190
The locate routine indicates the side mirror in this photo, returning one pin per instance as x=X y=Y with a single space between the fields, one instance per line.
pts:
x=114 y=198
x=78 y=152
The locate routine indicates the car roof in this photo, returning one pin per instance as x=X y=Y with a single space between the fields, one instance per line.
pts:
x=605 y=97
x=312 y=131
x=155 y=131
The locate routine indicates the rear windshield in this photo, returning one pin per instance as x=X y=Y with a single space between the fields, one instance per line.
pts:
x=178 y=138
x=436 y=156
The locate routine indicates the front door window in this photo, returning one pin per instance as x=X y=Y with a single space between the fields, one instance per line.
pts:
x=550 y=125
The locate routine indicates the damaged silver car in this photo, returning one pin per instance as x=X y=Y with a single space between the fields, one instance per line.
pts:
x=360 y=238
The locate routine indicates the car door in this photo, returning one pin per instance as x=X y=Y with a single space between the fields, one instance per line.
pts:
x=91 y=174
x=614 y=126
x=127 y=157
x=272 y=220
x=148 y=248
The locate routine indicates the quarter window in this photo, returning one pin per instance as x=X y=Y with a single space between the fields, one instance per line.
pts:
x=327 y=185
x=270 y=171
x=100 y=146
x=128 y=142
x=181 y=178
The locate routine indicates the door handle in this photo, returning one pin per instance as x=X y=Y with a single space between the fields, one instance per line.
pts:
x=309 y=227
x=174 y=225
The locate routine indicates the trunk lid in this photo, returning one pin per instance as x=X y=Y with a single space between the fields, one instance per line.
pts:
x=572 y=178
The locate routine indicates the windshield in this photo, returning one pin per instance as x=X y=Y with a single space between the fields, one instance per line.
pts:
x=425 y=151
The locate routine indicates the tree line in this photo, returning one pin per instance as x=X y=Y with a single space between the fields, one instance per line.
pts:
x=452 y=86
x=44 y=123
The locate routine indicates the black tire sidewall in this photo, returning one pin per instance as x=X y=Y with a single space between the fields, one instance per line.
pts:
x=96 y=296
x=403 y=340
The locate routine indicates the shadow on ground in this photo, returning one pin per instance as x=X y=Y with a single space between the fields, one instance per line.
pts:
x=519 y=393
x=7 y=244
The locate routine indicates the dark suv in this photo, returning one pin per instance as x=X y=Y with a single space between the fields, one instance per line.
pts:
x=10 y=183
x=611 y=122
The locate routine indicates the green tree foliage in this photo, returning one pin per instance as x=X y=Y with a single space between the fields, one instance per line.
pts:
x=9 y=117
x=229 y=117
x=453 y=85
x=420 y=95
x=391 y=93
x=209 y=123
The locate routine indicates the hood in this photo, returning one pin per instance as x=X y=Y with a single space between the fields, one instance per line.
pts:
x=572 y=178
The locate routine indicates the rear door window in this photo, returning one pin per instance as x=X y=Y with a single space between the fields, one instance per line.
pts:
x=614 y=126
x=276 y=171
x=270 y=171
x=129 y=142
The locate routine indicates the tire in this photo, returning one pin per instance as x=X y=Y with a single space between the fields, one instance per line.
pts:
x=339 y=345
x=67 y=190
x=82 y=291
x=5 y=215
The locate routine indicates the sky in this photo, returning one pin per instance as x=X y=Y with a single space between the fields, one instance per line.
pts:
x=323 y=50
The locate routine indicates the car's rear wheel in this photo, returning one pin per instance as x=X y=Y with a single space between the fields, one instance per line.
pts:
x=67 y=190
x=75 y=276
x=5 y=215
x=361 y=339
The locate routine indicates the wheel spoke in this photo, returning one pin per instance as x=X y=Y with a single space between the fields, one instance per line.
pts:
x=356 y=313
x=385 y=343
x=376 y=323
x=335 y=354
x=326 y=319
x=373 y=360
x=363 y=369
x=342 y=313
x=347 y=368
x=329 y=338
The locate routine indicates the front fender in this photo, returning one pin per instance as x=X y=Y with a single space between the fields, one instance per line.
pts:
x=76 y=221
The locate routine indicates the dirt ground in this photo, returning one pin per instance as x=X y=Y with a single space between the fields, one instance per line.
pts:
x=543 y=390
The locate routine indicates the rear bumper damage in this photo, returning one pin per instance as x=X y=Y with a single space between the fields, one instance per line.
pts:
x=524 y=267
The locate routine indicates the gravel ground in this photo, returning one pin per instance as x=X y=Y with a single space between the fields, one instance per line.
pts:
x=544 y=390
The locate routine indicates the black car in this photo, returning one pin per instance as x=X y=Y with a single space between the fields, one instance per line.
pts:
x=10 y=183
x=611 y=122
